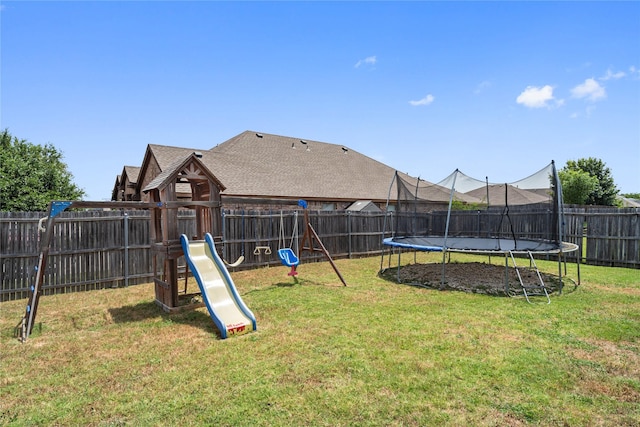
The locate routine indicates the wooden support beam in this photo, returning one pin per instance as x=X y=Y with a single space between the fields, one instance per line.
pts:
x=309 y=236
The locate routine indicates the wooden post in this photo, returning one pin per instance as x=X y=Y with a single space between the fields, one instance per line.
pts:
x=309 y=235
x=36 y=289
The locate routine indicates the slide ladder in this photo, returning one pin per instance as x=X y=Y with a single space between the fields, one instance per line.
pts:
x=531 y=289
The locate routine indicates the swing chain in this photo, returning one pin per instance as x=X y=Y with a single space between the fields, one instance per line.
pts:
x=262 y=249
x=294 y=234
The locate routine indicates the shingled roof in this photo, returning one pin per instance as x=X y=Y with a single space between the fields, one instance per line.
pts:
x=171 y=172
x=167 y=172
x=260 y=165
x=166 y=155
x=116 y=188
x=265 y=165
x=132 y=173
x=514 y=195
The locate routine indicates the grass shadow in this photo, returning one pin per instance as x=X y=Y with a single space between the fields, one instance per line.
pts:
x=286 y=284
x=136 y=312
x=302 y=282
x=195 y=318
x=150 y=310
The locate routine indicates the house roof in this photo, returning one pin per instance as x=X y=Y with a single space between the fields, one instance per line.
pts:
x=427 y=191
x=165 y=156
x=132 y=173
x=116 y=188
x=515 y=196
x=362 y=206
x=629 y=203
x=266 y=165
x=171 y=172
x=261 y=165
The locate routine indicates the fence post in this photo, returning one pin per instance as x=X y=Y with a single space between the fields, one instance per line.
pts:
x=223 y=232
x=349 y=233
x=126 y=249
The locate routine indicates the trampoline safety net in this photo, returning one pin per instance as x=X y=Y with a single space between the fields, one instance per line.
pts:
x=463 y=213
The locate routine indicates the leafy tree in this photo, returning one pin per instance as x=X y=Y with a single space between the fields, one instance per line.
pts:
x=32 y=175
x=606 y=191
x=457 y=205
x=577 y=185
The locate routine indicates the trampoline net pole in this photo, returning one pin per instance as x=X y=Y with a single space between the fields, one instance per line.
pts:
x=446 y=228
x=386 y=214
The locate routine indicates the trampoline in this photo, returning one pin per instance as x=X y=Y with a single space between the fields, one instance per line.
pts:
x=463 y=214
x=478 y=245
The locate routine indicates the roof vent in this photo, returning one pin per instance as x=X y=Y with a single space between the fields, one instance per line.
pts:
x=259 y=135
x=197 y=154
x=293 y=145
x=345 y=149
x=303 y=141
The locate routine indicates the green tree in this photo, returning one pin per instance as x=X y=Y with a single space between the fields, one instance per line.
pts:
x=606 y=191
x=32 y=175
x=576 y=186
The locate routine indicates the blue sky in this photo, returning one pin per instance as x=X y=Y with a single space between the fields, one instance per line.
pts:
x=496 y=89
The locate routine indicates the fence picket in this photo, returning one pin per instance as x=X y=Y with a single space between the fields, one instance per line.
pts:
x=87 y=249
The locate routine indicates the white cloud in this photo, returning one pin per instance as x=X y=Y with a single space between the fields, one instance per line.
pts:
x=369 y=60
x=587 y=112
x=590 y=90
x=613 y=76
x=482 y=87
x=424 y=101
x=537 y=97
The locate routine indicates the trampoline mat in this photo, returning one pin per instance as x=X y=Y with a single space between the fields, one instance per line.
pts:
x=478 y=244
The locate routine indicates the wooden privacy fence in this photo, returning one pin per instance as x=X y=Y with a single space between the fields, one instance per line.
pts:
x=612 y=236
x=89 y=250
x=98 y=249
x=257 y=235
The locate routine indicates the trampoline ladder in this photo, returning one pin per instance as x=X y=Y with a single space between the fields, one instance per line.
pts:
x=531 y=288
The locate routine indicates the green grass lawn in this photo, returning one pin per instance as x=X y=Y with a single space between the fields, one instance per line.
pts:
x=373 y=353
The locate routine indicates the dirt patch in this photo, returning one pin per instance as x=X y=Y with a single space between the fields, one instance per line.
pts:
x=473 y=277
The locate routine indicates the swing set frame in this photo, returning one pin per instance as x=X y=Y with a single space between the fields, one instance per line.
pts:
x=310 y=242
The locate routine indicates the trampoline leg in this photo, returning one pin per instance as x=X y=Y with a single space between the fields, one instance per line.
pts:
x=560 y=272
x=506 y=274
x=444 y=258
